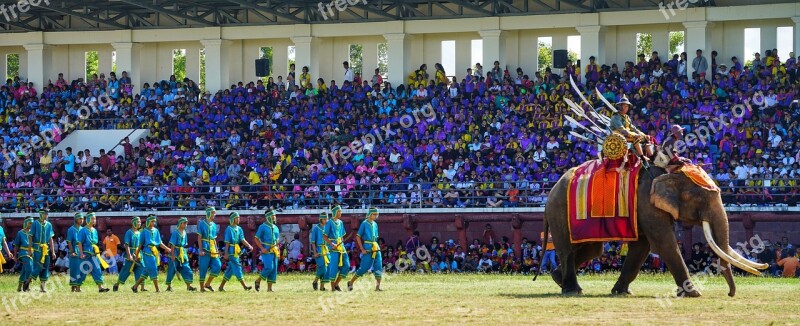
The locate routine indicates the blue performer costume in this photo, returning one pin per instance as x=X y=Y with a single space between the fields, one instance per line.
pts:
x=209 y=255
x=133 y=260
x=151 y=241
x=371 y=257
x=91 y=262
x=234 y=238
x=23 y=250
x=43 y=248
x=179 y=260
x=267 y=240
x=75 y=279
x=339 y=265
x=320 y=250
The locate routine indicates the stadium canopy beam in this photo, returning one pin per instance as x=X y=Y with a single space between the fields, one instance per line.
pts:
x=164 y=11
x=85 y=16
x=254 y=6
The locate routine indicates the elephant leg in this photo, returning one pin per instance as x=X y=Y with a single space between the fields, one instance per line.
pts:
x=677 y=267
x=637 y=254
x=582 y=253
x=569 y=285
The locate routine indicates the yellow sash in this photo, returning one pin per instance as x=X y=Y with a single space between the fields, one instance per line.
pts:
x=181 y=252
x=103 y=263
x=237 y=250
x=45 y=249
x=273 y=249
x=154 y=251
x=325 y=254
x=375 y=248
x=2 y=262
x=212 y=247
x=341 y=251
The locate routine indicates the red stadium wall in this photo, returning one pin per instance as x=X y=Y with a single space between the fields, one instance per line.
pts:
x=462 y=229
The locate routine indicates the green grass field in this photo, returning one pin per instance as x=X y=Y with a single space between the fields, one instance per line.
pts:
x=411 y=299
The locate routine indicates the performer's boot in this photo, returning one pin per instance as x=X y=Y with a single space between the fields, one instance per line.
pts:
x=315 y=285
x=116 y=287
x=222 y=286
x=258 y=285
x=245 y=287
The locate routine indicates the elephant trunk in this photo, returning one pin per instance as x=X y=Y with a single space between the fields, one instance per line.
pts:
x=725 y=261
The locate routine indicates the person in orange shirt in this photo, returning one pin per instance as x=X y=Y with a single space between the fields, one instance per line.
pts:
x=790 y=265
x=111 y=242
x=549 y=252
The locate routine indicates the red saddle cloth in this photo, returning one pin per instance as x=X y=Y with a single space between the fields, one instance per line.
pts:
x=601 y=202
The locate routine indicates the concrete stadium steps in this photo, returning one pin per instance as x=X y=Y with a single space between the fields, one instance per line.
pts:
x=95 y=140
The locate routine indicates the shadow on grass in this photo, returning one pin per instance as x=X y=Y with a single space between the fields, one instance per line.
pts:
x=559 y=295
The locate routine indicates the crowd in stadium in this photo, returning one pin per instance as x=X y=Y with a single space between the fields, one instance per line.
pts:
x=492 y=137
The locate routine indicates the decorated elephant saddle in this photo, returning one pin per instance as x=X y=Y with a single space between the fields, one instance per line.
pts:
x=601 y=202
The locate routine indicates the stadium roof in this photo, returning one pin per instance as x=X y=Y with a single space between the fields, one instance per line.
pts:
x=153 y=14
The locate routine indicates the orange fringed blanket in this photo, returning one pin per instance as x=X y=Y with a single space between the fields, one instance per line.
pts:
x=699 y=177
x=601 y=202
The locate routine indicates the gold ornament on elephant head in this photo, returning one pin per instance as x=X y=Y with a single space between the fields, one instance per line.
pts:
x=615 y=146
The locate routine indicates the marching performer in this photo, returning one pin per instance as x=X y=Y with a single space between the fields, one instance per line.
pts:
x=320 y=250
x=151 y=241
x=43 y=248
x=207 y=243
x=367 y=240
x=234 y=238
x=179 y=260
x=267 y=241
x=8 y=256
x=339 y=264
x=621 y=123
x=23 y=250
x=133 y=260
x=73 y=241
x=90 y=252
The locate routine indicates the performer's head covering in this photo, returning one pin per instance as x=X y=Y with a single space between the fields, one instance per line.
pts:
x=372 y=210
x=233 y=216
x=89 y=218
x=78 y=216
x=209 y=210
x=323 y=216
x=335 y=210
x=624 y=100
x=43 y=213
x=270 y=216
x=27 y=222
x=182 y=220
x=151 y=219
x=135 y=220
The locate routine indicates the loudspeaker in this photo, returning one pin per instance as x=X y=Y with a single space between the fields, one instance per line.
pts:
x=560 y=59
x=262 y=67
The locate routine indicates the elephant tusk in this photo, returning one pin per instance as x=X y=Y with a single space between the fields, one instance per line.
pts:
x=737 y=256
x=722 y=255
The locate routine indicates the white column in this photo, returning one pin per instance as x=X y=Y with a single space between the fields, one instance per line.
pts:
x=661 y=45
x=769 y=39
x=697 y=38
x=216 y=78
x=399 y=61
x=493 y=48
x=36 y=64
x=796 y=21
x=593 y=39
x=304 y=47
x=128 y=61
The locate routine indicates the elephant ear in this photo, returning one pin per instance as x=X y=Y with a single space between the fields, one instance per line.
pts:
x=665 y=195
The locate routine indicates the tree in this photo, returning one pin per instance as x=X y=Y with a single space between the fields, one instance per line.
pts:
x=383 y=59
x=572 y=56
x=676 y=43
x=265 y=52
x=356 y=52
x=12 y=65
x=644 y=44
x=92 y=63
x=179 y=64
x=291 y=59
x=545 y=56
x=202 y=82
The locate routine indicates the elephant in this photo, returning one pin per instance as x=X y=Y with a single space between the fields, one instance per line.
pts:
x=662 y=199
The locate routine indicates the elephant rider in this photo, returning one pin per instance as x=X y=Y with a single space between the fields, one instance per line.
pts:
x=668 y=155
x=621 y=123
